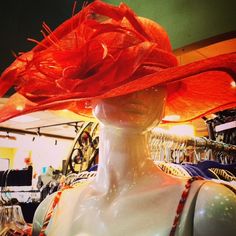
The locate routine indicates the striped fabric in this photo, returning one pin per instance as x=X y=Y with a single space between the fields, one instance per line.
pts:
x=51 y=209
x=181 y=204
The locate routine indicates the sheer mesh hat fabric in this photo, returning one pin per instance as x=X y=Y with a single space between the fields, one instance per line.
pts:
x=106 y=51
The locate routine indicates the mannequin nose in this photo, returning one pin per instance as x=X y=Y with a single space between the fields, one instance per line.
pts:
x=139 y=96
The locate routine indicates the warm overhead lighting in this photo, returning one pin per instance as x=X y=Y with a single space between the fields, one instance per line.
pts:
x=182 y=130
x=172 y=118
x=20 y=108
x=233 y=84
x=159 y=130
x=213 y=116
x=24 y=119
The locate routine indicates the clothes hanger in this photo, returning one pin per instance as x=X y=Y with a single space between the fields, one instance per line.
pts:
x=223 y=174
x=3 y=184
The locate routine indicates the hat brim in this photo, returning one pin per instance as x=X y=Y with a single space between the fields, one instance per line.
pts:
x=85 y=59
x=194 y=90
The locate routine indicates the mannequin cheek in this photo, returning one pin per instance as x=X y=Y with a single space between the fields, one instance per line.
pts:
x=107 y=113
x=156 y=114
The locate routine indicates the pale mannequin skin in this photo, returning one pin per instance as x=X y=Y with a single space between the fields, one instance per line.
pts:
x=131 y=196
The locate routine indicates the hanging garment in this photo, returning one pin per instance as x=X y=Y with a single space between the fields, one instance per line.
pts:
x=12 y=222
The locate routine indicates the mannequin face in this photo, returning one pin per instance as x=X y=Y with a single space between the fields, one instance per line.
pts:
x=138 y=110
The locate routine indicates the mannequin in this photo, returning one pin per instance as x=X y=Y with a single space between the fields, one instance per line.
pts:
x=131 y=195
x=109 y=56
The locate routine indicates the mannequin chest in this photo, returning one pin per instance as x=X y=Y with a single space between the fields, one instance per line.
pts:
x=146 y=210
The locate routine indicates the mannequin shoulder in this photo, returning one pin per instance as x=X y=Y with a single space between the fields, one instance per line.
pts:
x=40 y=214
x=215 y=210
x=68 y=195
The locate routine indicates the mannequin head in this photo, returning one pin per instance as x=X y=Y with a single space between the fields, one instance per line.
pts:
x=140 y=110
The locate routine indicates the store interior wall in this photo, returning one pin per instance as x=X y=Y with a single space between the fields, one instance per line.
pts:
x=187 y=21
x=9 y=154
x=43 y=152
x=23 y=19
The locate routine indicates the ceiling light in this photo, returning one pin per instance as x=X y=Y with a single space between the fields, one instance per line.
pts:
x=233 y=84
x=20 y=108
x=159 y=130
x=182 y=130
x=172 y=118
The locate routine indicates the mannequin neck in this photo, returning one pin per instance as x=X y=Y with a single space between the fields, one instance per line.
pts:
x=124 y=157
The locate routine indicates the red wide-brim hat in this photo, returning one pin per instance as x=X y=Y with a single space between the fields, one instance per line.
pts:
x=106 y=51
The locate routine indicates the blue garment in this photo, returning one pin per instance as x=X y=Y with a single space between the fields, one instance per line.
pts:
x=205 y=165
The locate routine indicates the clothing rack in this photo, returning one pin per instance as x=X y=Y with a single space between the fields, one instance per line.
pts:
x=211 y=144
x=35 y=132
x=22 y=196
x=19 y=191
x=13 y=177
x=201 y=142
